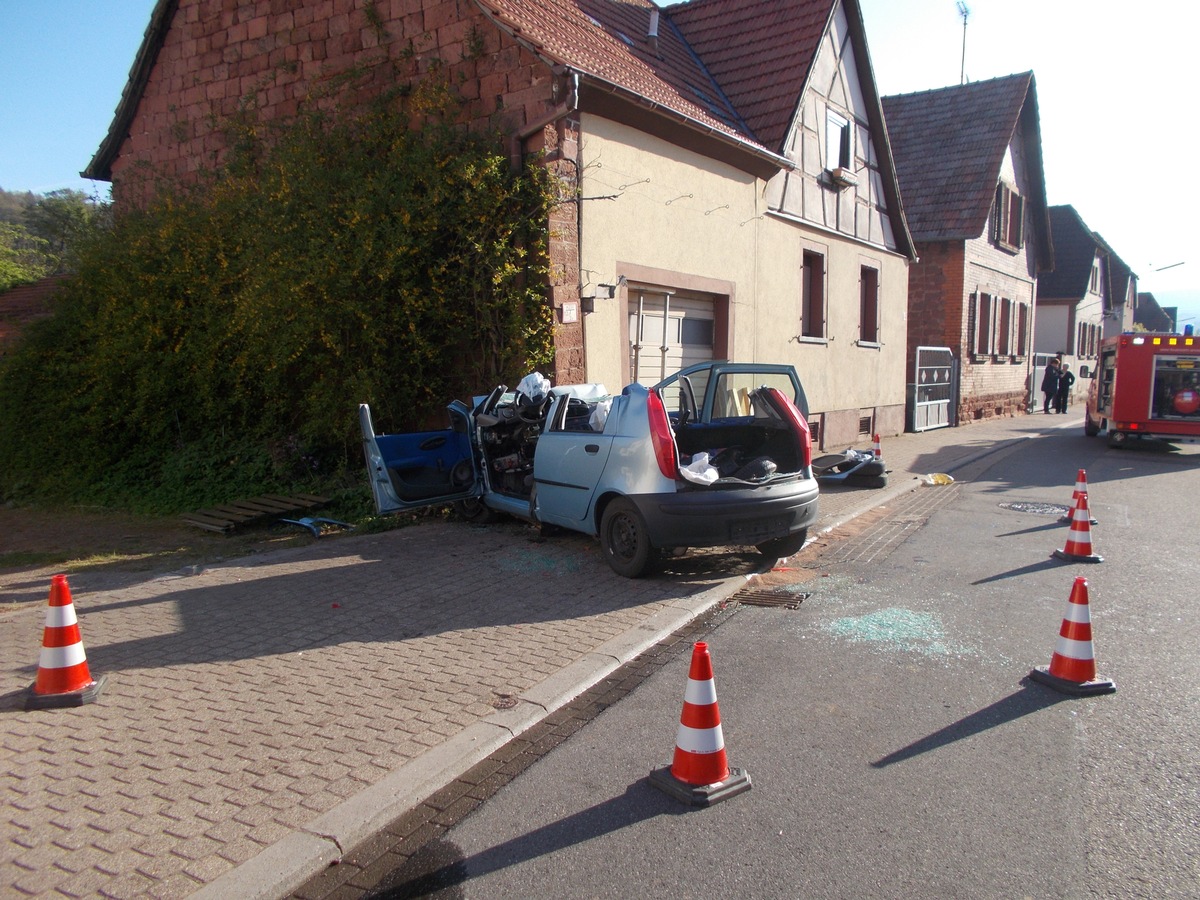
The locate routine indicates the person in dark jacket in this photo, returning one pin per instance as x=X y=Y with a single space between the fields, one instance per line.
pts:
x=1065 y=380
x=1050 y=386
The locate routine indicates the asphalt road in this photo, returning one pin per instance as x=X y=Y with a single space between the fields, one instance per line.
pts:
x=896 y=745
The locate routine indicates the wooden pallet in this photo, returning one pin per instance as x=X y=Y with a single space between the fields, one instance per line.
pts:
x=240 y=513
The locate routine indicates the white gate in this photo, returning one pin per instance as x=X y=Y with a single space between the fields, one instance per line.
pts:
x=666 y=333
x=932 y=393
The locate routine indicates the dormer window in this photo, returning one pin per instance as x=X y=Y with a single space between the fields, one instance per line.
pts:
x=1008 y=218
x=837 y=141
x=838 y=149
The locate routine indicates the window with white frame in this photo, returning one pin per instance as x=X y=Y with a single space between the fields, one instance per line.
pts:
x=838 y=136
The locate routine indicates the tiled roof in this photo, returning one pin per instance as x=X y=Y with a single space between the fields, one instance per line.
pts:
x=607 y=39
x=948 y=145
x=737 y=65
x=1075 y=249
x=759 y=53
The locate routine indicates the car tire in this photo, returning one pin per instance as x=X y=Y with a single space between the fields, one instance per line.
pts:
x=473 y=510
x=625 y=539
x=778 y=548
x=1090 y=428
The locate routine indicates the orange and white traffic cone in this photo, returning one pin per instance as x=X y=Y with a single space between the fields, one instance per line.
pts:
x=700 y=774
x=63 y=677
x=1080 y=488
x=1072 y=668
x=1079 y=541
x=877 y=447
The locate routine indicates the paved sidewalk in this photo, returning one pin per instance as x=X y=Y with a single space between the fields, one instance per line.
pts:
x=262 y=717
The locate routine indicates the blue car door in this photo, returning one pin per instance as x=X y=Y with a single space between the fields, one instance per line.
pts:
x=567 y=466
x=417 y=469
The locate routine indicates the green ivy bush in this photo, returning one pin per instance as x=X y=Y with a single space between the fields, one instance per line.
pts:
x=216 y=341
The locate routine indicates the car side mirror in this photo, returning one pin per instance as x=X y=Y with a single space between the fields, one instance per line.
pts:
x=1084 y=372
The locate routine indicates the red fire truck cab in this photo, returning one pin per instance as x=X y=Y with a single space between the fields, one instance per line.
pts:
x=1146 y=386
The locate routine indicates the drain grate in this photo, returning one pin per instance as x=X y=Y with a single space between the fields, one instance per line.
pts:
x=1038 y=509
x=783 y=597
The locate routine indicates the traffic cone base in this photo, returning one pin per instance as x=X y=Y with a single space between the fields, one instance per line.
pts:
x=1077 y=557
x=1042 y=675
x=700 y=774
x=71 y=698
x=737 y=782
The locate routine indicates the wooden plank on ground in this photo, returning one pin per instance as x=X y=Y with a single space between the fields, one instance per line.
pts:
x=229 y=516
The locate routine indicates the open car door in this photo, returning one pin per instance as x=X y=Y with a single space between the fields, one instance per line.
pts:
x=419 y=469
x=721 y=390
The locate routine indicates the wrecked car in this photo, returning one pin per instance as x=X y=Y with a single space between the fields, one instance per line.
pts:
x=718 y=454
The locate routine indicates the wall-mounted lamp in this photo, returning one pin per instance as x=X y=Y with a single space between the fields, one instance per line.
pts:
x=603 y=292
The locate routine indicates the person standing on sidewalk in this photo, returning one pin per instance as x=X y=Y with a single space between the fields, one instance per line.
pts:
x=1065 y=380
x=1050 y=386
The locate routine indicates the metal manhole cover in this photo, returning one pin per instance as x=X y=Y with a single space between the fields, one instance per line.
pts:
x=1038 y=509
x=781 y=597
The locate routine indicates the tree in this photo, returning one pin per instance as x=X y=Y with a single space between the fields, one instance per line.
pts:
x=22 y=256
x=13 y=205
x=60 y=219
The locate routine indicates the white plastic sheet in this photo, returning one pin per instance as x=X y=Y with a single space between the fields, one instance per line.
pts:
x=699 y=470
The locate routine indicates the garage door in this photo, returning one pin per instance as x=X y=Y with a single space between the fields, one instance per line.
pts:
x=667 y=331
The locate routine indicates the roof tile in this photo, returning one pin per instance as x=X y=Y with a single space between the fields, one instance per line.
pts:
x=948 y=145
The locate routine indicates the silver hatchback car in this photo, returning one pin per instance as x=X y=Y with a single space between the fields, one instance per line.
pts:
x=719 y=454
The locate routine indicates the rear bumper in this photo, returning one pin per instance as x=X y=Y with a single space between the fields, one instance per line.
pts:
x=725 y=517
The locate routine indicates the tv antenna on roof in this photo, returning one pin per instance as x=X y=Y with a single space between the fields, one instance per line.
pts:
x=965 y=12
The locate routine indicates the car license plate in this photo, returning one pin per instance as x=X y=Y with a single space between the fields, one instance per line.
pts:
x=750 y=531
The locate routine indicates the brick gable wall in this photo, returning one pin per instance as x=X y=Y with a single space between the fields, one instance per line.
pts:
x=220 y=56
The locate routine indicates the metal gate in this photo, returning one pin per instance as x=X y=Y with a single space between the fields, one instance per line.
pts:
x=932 y=393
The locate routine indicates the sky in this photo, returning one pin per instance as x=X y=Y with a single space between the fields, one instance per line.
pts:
x=1116 y=96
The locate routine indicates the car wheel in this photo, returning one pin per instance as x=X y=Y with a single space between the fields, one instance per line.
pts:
x=1117 y=438
x=625 y=539
x=1090 y=428
x=784 y=546
x=474 y=510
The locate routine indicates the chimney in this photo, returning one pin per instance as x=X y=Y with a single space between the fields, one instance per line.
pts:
x=652 y=31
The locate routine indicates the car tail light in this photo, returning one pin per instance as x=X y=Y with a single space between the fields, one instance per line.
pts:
x=797 y=419
x=662 y=436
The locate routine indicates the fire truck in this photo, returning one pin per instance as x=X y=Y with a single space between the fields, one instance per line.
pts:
x=1146 y=386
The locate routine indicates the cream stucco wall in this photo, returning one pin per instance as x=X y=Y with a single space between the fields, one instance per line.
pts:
x=690 y=219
